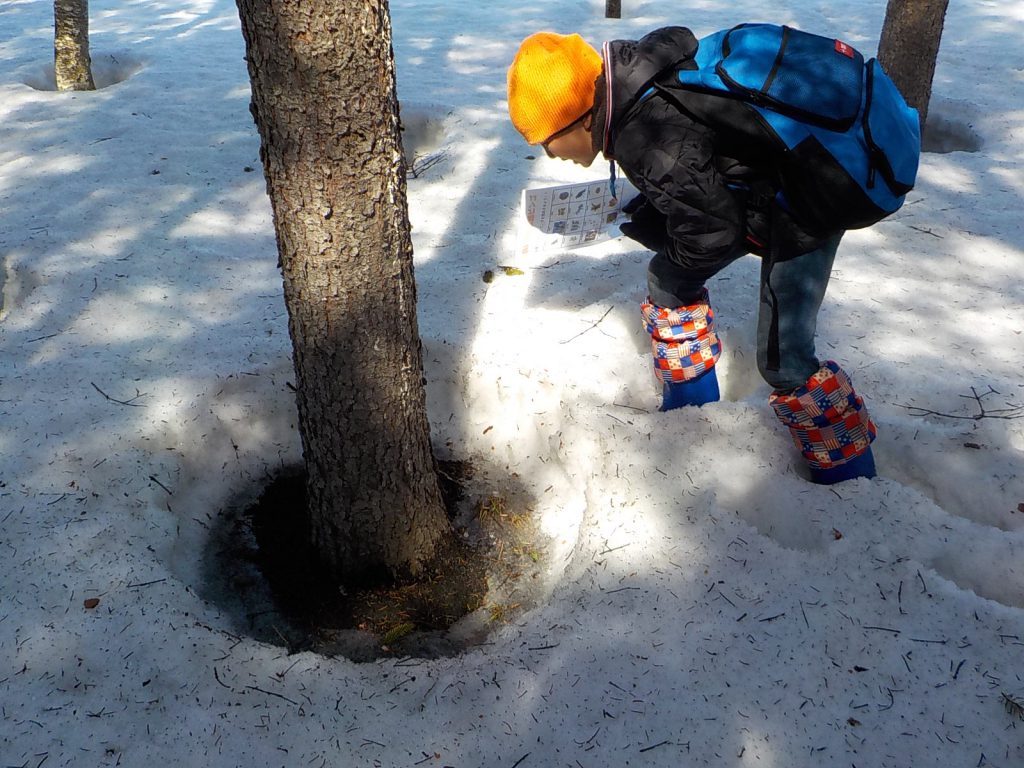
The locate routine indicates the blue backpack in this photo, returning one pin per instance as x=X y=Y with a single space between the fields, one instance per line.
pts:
x=846 y=143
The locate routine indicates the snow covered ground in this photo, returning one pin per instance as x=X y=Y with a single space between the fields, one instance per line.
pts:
x=706 y=605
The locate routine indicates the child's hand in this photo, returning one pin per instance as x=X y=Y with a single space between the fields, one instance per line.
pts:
x=635 y=204
x=647 y=224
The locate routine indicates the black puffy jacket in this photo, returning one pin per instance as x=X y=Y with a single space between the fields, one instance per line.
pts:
x=717 y=191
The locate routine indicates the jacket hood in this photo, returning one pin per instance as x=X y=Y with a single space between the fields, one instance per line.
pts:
x=630 y=66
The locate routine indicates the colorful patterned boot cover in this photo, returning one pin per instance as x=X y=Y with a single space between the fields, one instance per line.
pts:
x=830 y=425
x=685 y=348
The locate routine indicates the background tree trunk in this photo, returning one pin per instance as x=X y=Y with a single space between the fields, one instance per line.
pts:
x=323 y=96
x=613 y=9
x=71 y=62
x=909 y=46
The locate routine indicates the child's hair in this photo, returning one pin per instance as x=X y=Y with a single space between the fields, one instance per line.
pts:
x=551 y=83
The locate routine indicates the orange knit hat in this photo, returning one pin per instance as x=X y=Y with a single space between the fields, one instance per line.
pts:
x=551 y=83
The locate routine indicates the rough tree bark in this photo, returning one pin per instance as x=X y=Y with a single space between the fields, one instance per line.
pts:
x=909 y=47
x=323 y=97
x=71 y=63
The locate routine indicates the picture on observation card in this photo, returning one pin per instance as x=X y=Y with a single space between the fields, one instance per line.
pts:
x=569 y=216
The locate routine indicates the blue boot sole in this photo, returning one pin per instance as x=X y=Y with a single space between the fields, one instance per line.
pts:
x=699 y=391
x=862 y=466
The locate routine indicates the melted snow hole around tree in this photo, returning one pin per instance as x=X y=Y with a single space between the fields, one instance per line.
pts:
x=950 y=128
x=107 y=69
x=423 y=135
x=15 y=284
x=261 y=570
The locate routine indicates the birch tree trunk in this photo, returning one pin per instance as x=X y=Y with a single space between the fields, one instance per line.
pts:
x=71 y=63
x=323 y=97
x=909 y=47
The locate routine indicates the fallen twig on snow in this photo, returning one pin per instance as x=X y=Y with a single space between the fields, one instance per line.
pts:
x=592 y=327
x=1013 y=706
x=121 y=402
x=1010 y=412
x=422 y=163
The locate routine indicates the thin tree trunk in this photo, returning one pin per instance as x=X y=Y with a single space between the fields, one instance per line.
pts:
x=909 y=47
x=72 y=66
x=323 y=96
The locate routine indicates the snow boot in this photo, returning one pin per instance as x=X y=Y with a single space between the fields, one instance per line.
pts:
x=685 y=348
x=830 y=426
x=703 y=389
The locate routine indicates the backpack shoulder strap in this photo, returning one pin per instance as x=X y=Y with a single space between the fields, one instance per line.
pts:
x=626 y=110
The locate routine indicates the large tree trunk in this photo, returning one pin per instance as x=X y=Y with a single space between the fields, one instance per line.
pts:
x=323 y=96
x=71 y=62
x=909 y=47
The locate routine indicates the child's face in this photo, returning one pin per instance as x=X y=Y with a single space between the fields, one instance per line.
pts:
x=574 y=144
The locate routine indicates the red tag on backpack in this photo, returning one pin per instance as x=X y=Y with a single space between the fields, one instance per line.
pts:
x=843 y=48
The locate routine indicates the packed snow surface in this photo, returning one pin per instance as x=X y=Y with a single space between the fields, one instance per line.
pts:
x=705 y=604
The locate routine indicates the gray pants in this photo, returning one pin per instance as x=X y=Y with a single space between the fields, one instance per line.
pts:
x=791 y=294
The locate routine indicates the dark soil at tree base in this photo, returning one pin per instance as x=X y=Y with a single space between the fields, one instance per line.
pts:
x=452 y=606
